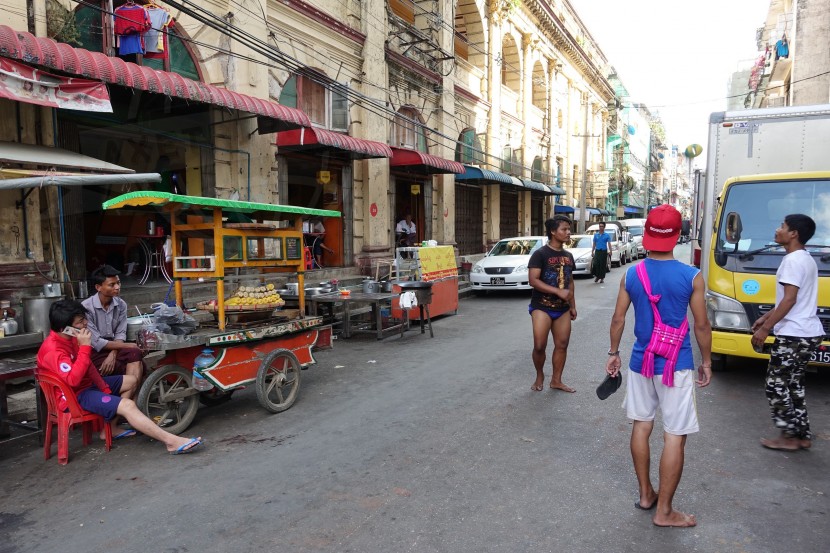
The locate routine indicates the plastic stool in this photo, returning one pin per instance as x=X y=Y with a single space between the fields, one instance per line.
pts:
x=308 y=258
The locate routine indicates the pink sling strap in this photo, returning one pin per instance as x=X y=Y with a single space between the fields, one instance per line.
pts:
x=666 y=340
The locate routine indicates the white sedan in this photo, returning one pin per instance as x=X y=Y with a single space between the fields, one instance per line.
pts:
x=505 y=265
x=580 y=248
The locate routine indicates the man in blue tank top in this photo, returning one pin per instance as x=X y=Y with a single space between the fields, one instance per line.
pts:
x=679 y=287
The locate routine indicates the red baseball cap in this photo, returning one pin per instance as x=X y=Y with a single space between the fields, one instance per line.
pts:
x=662 y=229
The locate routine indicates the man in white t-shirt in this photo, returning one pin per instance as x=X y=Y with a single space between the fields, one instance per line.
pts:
x=798 y=333
x=405 y=230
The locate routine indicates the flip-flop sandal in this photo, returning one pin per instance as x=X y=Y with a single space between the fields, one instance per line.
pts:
x=126 y=434
x=189 y=447
x=638 y=506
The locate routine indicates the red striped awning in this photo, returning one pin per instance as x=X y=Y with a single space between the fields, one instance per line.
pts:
x=298 y=140
x=419 y=162
x=46 y=52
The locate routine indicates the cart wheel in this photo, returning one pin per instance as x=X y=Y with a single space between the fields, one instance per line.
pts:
x=215 y=396
x=168 y=398
x=278 y=380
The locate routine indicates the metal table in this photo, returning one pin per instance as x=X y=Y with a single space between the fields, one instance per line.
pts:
x=375 y=300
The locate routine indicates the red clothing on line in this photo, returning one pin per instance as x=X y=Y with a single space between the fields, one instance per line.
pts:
x=131 y=19
x=70 y=362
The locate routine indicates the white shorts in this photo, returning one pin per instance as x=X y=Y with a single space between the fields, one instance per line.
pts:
x=677 y=404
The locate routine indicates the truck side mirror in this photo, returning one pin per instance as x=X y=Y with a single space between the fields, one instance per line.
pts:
x=734 y=227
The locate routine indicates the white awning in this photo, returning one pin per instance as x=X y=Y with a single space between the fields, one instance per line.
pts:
x=44 y=156
x=79 y=180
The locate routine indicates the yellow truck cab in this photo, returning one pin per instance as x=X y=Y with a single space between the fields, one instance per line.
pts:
x=743 y=257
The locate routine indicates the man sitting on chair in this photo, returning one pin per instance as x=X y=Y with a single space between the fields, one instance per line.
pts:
x=107 y=316
x=65 y=354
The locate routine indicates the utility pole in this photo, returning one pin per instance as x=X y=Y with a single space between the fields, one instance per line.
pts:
x=583 y=211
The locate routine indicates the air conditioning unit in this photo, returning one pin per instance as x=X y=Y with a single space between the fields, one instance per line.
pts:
x=777 y=102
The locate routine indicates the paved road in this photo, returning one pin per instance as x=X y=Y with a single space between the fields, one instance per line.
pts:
x=422 y=445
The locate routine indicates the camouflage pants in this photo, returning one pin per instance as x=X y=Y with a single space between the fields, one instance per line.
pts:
x=785 y=384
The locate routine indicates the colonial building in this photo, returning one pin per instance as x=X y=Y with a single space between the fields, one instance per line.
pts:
x=478 y=118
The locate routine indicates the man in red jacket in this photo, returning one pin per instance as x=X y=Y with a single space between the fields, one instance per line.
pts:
x=66 y=354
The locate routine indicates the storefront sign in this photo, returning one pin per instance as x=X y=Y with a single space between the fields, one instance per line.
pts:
x=415 y=189
x=373 y=210
x=21 y=83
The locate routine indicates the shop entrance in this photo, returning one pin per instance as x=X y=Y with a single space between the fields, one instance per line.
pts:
x=317 y=184
x=411 y=197
x=509 y=212
x=469 y=228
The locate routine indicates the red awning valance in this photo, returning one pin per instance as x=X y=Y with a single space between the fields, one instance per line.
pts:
x=315 y=139
x=46 y=52
x=419 y=162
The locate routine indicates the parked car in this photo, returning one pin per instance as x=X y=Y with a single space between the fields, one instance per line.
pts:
x=580 y=248
x=505 y=265
x=635 y=228
x=621 y=250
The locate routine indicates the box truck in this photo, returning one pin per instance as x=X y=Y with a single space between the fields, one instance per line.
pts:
x=761 y=165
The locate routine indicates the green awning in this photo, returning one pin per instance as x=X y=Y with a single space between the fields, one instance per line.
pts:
x=151 y=198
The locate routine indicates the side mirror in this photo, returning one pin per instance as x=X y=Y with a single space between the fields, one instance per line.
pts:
x=734 y=227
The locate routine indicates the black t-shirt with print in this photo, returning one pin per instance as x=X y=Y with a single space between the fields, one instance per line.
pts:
x=557 y=270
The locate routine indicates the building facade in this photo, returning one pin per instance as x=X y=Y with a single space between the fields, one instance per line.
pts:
x=478 y=118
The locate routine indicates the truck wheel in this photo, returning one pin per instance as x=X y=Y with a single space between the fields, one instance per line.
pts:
x=278 y=381
x=168 y=398
x=718 y=363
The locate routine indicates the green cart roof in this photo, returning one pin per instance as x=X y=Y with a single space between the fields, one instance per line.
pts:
x=150 y=198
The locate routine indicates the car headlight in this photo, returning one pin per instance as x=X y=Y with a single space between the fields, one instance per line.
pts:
x=583 y=257
x=726 y=313
x=520 y=269
x=478 y=268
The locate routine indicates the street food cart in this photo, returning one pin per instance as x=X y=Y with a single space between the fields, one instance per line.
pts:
x=435 y=264
x=252 y=339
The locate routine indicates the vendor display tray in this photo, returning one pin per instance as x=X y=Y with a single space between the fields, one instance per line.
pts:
x=240 y=314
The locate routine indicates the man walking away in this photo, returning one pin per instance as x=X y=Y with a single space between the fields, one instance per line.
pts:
x=660 y=377
x=798 y=333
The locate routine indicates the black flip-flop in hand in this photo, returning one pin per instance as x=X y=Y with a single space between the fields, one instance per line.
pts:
x=608 y=386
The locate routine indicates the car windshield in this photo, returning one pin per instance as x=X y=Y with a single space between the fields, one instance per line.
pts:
x=610 y=231
x=762 y=207
x=515 y=247
x=580 y=242
x=635 y=231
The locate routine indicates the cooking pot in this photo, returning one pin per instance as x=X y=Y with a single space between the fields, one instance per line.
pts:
x=371 y=286
x=8 y=324
x=386 y=286
x=134 y=325
x=51 y=290
x=36 y=313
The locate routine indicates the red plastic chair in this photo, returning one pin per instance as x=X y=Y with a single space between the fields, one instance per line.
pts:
x=76 y=415
x=308 y=259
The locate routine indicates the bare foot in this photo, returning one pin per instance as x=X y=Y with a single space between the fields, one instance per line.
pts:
x=675 y=519
x=806 y=444
x=562 y=387
x=536 y=387
x=782 y=443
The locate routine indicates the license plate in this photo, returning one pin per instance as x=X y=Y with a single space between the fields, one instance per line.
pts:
x=821 y=357
x=496 y=280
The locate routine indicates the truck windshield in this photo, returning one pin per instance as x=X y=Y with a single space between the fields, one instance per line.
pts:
x=763 y=206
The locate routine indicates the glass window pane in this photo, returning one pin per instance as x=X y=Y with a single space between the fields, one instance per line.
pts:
x=233 y=248
x=181 y=61
x=90 y=30
x=339 y=110
x=288 y=96
x=271 y=248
